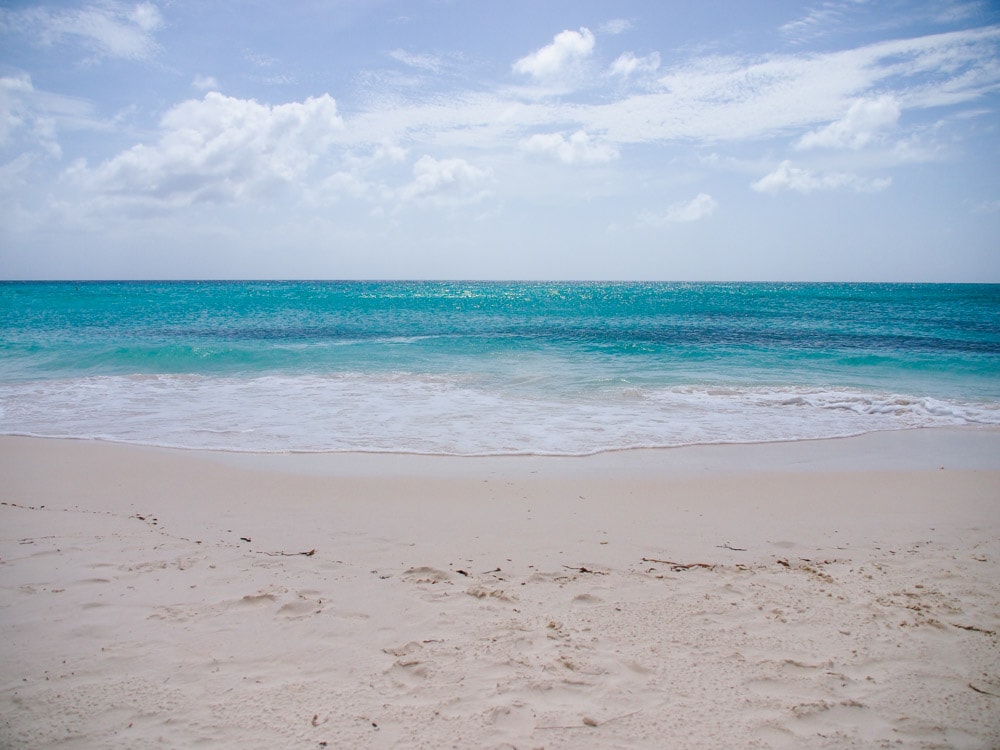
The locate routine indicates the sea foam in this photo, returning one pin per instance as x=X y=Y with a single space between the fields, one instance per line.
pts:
x=450 y=415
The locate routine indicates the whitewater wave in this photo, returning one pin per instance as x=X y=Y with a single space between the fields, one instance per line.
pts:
x=457 y=415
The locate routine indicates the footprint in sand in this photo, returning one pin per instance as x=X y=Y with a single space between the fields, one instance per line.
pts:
x=425 y=574
x=481 y=592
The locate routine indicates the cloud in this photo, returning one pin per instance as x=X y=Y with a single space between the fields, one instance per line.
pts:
x=627 y=64
x=863 y=123
x=30 y=119
x=388 y=152
x=107 y=29
x=360 y=176
x=568 y=48
x=13 y=115
x=700 y=207
x=615 y=26
x=732 y=98
x=815 y=23
x=917 y=149
x=839 y=17
x=957 y=10
x=445 y=182
x=259 y=60
x=205 y=83
x=342 y=183
x=430 y=63
x=704 y=100
x=787 y=177
x=579 y=148
x=217 y=150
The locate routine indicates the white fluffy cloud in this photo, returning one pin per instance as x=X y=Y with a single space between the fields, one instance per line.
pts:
x=627 y=63
x=700 y=207
x=106 y=29
x=787 y=177
x=446 y=182
x=579 y=148
x=218 y=150
x=568 y=48
x=864 y=122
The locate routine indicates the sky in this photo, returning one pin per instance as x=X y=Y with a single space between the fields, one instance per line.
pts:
x=836 y=140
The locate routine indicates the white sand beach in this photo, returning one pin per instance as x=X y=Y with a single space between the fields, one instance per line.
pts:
x=826 y=594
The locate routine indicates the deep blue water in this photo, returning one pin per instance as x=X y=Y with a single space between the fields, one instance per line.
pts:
x=491 y=367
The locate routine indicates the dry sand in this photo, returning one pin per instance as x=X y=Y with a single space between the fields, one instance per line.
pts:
x=820 y=594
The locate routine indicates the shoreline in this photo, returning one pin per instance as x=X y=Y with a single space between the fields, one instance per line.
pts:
x=951 y=430
x=815 y=451
x=821 y=593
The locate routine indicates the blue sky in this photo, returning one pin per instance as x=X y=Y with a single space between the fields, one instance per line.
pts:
x=830 y=140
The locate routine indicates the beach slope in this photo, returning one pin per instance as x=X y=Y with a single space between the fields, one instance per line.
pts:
x=821 y=594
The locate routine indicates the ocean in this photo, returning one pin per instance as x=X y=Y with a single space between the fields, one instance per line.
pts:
x=491 y=368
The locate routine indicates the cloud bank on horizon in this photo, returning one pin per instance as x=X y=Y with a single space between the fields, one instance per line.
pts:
x=426 y=139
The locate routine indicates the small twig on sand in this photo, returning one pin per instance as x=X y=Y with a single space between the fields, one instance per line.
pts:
x=677 y=565
x=975 y=629
x=727 y=546
x=984 y=692
x=310 y=553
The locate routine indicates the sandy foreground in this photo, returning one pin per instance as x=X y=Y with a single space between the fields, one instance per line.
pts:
x=839 y=593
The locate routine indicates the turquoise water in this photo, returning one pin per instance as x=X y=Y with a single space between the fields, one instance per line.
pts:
x=491 y=368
